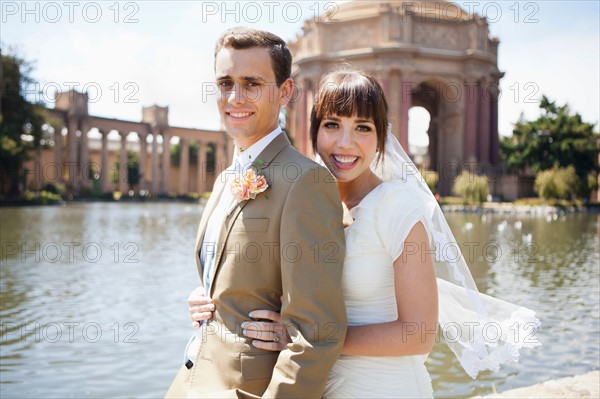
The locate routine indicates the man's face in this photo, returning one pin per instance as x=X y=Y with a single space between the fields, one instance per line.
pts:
x=249 y=100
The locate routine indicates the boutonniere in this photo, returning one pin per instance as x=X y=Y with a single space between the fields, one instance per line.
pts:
x=248 y=185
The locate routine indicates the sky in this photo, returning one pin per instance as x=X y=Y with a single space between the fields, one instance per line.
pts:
x=130 y=54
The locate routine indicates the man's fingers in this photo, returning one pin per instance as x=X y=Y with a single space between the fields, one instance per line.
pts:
x=201 y=316
x=202 y=308
x=201 y=300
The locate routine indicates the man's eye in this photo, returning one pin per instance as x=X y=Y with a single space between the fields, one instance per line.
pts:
x=225 y=84
x=252 y=84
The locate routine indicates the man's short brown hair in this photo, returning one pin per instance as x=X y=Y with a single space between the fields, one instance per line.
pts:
x=243 y=38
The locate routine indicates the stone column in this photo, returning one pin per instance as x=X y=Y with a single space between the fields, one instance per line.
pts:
x=494 y=138
x=471 y=91
x=105 y=176
x=58 y=143
x=220 y=157
x=405 y=104
x=72 y=165
x=166 y=163
x=310 y=102
x=230 y=149
x=407 y=25
x=154 y=167
x=433 y=132
x=201 y=171
x=304 y=117
x=38 y=174
x=184 y=166
x=84 y=156
x=393 y=94
x=143 y=155
x=123 y=186
x=484 y=125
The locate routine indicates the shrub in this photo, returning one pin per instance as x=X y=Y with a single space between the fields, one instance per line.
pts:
x=557 y=183
x=55 y=188
x=431 y=179
x=472 y=188
x=42 y=198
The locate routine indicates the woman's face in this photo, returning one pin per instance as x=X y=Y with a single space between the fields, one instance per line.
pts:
x=347 y=145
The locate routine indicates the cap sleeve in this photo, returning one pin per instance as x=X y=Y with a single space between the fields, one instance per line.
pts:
x=398 y=212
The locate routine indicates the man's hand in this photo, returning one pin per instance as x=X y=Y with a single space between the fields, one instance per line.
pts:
x=201 y=306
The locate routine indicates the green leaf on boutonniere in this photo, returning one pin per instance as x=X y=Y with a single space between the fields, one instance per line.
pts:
x=257 y=165
x=267 y=196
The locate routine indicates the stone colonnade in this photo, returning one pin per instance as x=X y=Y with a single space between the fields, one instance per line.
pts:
x=75 y=167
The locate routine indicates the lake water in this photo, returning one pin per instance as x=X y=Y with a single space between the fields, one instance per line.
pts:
x=93 y=297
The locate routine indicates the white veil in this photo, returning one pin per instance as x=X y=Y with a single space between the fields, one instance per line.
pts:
x=482 y=331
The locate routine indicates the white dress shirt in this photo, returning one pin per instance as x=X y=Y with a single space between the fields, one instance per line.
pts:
x=243 y=159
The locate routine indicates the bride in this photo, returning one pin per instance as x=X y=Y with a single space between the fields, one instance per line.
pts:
x=404 y=275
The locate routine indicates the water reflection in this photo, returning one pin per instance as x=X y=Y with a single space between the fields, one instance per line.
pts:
x=93 y=304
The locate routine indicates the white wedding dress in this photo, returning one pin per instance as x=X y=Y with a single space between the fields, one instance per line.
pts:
x=382 y=221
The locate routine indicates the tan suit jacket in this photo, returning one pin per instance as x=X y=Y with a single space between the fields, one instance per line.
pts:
x=287 y=241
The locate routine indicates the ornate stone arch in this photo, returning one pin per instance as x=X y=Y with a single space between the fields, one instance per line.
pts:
x=417 y=50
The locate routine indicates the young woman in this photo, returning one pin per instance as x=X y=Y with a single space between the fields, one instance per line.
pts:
x=403 y=272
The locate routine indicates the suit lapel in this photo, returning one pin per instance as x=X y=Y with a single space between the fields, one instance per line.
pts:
x=275 y=147
x=223 y=236
x=208 y=210
x=266 y=156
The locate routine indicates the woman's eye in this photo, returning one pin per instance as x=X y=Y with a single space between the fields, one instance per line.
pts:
x=330 y=125
x=363 y=128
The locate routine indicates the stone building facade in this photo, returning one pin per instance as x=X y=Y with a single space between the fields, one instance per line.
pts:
x=424 y=53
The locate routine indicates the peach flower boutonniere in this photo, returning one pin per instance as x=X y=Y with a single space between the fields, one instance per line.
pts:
x=248 y=186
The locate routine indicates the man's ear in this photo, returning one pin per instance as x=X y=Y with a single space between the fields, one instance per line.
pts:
x=287 y=91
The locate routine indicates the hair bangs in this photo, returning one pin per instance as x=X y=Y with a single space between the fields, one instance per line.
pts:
x=346 y=98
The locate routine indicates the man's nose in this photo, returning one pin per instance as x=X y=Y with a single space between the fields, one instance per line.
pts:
x=235 y=95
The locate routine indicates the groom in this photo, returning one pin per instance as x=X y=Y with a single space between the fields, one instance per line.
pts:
x=287 y=242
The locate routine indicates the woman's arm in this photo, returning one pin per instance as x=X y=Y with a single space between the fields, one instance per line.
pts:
x=415 y=330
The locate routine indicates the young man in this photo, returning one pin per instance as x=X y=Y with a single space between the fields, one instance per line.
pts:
x=287 y=242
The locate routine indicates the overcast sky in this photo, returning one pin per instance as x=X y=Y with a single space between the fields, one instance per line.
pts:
x=131 y=54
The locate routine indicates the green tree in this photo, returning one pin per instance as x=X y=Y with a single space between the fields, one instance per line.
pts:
x=557 y=138
x=19 y=118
